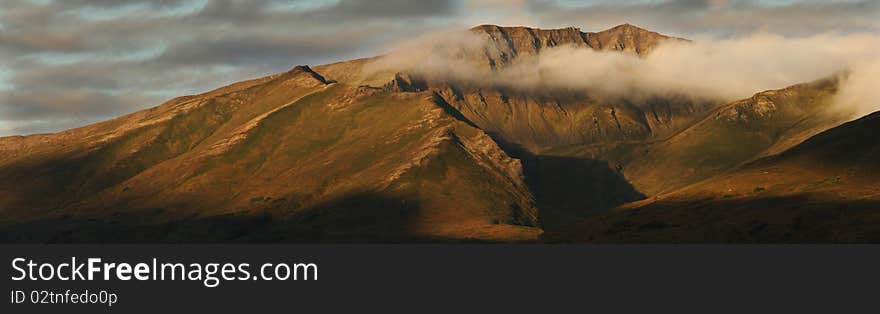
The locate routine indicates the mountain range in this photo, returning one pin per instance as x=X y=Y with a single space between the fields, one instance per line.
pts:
x=345 y=153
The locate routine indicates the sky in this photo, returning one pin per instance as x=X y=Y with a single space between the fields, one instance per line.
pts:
x=68 y=63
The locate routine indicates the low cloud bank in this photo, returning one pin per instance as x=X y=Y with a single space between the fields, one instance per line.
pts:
x=723 y=70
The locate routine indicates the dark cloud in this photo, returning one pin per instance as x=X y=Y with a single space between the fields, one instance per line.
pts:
x=32 y=41
x=259 y=49
x=86 y=75
x=85 y=60
x=717 y=17
x=68 y=103
x=391 y=8
x=327 y=14
x=118 y=3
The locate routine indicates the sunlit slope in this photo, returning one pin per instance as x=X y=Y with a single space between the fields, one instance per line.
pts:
x=45 y=172
x=841 y=163
x=729 y=136
x=296 y=148
x=822 y=190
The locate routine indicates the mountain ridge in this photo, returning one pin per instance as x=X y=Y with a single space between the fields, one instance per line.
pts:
x=501 y=45
x=623 y=37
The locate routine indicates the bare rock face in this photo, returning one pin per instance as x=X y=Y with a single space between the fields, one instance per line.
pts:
x=629 y=38
x=403 y=82
x=509 y=43
x=541 y=122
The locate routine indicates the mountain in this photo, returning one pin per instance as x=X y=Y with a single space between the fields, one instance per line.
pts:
x=731 y=134
x=500 y=46
x=526 y=123
x=506 y=44
x=539 y=120
x=290 y=151
x=343 y=153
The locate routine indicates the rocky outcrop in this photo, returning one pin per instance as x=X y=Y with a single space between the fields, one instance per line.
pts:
x=506 y=44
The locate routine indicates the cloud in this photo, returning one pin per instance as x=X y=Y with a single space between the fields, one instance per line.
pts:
x=442 y=55
x=393 y=8
x=117 y=3
x=723 y=70
x=860 y=93
x=715 y=18
x=104 y=51
x=78 y=103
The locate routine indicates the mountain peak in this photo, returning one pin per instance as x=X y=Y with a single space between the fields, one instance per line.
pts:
x=622 y=28
x=514 y=41
x=628 y=37
x=627 y=28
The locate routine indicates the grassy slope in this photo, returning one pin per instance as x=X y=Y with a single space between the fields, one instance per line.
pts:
x=729 y=136
x=340 y=161
x=50 y=172
x=822 y=190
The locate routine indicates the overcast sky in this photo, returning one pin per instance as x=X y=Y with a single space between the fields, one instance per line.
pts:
x=67 y=63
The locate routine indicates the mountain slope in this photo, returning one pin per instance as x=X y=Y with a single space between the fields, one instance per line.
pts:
x=840 y=163
x=294 y=148
x=539 y=120
x=300 y=151
x=735 y=133
x=822 y=190
x=528 y=122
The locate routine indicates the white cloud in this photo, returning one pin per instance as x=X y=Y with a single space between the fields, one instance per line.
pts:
x=723 y=70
